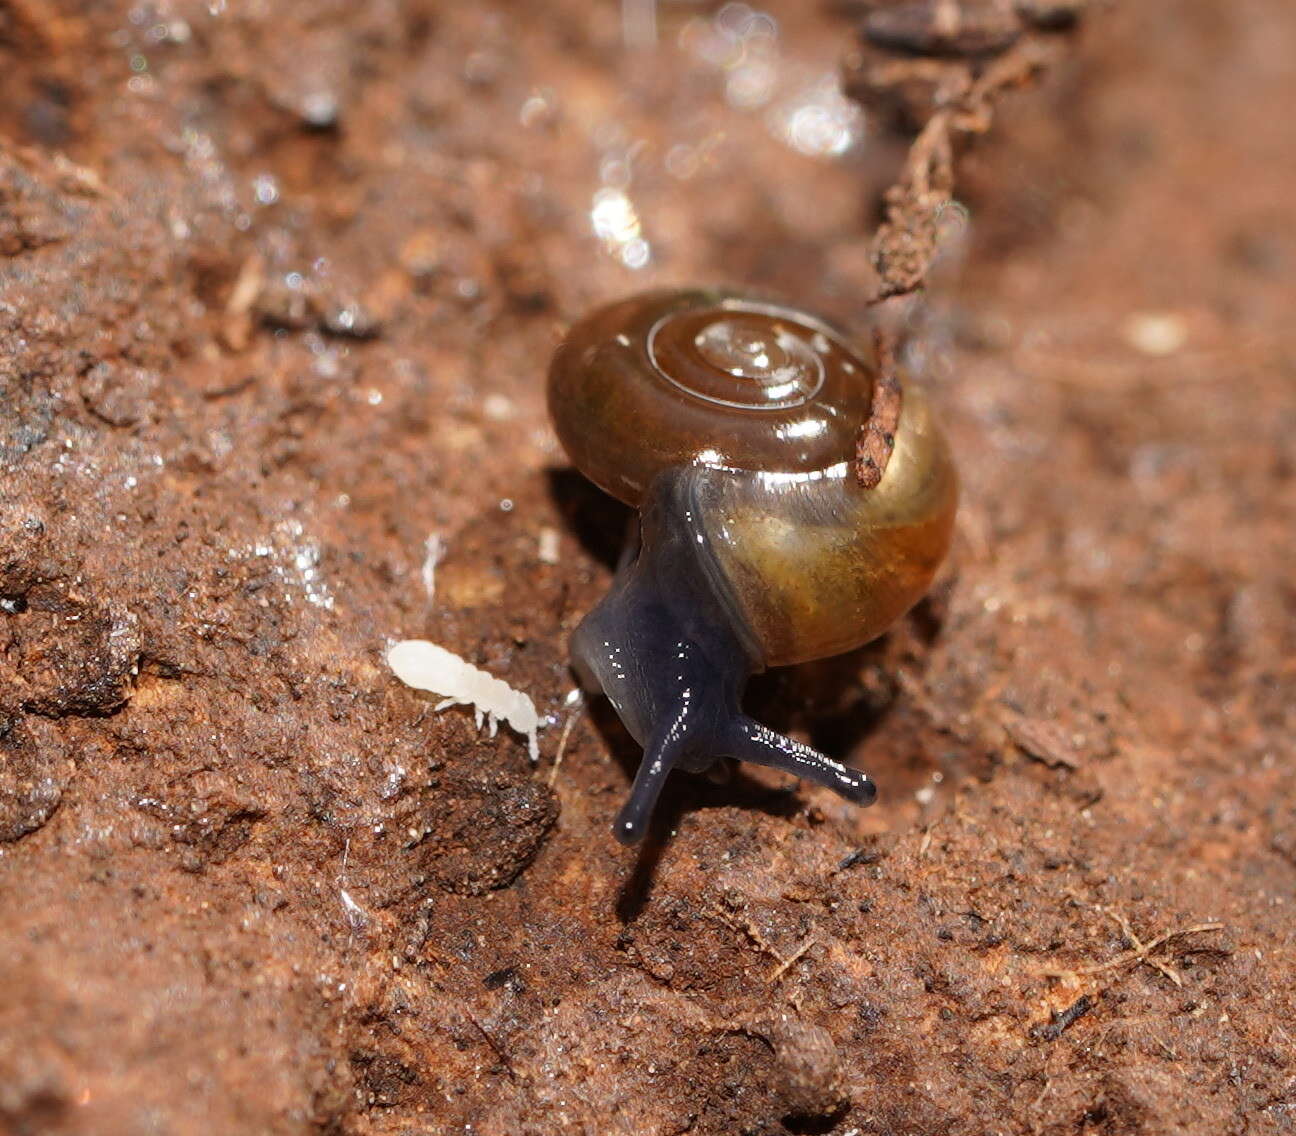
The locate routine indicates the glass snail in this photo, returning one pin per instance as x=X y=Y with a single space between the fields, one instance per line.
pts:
x=794 y=501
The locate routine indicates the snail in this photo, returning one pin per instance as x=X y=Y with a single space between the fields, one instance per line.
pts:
x=793 y=503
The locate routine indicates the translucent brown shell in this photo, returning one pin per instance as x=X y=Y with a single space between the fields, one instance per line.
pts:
x=732 y=424
x=704 y=377
x=763 y=406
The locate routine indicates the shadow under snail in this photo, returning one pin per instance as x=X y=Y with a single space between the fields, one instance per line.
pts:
x=794 y=502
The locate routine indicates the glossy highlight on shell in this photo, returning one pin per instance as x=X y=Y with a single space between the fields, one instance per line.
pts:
x=678 y=378
x=746 y=356
x=794 y=502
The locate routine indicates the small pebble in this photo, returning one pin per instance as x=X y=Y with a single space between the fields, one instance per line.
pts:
x=498 y=407
x=1156 y=333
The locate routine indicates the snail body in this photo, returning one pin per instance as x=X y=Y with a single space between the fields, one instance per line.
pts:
x=738 y=427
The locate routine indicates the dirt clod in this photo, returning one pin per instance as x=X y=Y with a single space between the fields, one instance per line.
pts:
x=809 y=1068
x=33 y=775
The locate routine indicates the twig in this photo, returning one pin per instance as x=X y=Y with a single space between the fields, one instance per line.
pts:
x=750 y=929
x=237 y=327
x=786 y=964
x=1063 y=1020
x=1143 y=953
x=568 y=725
x=495 y=1046
x=965 y=65
x=876 y=439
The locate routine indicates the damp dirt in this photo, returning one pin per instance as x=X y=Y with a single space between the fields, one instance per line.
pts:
x=278 y=282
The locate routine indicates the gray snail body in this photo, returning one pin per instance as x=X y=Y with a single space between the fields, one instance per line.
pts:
x=737 y=427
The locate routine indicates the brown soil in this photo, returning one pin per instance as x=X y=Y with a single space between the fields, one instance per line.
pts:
x=278 y=282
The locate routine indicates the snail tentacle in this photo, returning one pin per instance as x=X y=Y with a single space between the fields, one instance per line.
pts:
x=749 y=740
x=660 y=757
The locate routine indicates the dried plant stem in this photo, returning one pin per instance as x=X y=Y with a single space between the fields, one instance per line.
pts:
x=1143 y=953
x=965 y=81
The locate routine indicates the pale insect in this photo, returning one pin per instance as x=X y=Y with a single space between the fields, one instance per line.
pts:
x=425 y=666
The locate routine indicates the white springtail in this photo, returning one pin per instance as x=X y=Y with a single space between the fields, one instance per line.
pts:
x=425 y=666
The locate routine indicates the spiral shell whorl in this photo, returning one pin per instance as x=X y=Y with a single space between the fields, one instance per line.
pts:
x=742 y=355
x=704 y=378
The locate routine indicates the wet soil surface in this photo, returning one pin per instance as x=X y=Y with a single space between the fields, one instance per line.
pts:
x=278 y=282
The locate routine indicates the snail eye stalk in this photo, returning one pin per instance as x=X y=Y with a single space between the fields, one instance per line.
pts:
x=748 y=740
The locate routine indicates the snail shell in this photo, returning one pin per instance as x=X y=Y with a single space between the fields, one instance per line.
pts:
x=733 y=424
